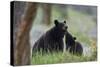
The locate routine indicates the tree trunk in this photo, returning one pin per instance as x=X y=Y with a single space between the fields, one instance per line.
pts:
x=46 y=13
x=22 y=52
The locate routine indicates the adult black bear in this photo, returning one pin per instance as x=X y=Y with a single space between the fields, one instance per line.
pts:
x=73 y=46
x=52 y=40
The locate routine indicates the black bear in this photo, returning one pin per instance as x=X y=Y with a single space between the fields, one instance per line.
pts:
x=73 y=46
x=52 y=40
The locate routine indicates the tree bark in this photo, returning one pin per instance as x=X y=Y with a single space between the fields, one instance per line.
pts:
x=22 y=53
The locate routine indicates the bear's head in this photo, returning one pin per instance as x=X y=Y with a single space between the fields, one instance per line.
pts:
x=69 y=39
x=72 y=41
x=61 y=26
x=74 y=38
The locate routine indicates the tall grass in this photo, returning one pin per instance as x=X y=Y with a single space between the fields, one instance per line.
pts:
x=59 y=57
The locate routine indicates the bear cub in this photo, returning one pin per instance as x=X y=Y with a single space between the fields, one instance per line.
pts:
x=73 y=46
x=52 y=40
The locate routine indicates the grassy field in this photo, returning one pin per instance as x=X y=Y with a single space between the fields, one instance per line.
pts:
x=79 y=25
x=60 y=58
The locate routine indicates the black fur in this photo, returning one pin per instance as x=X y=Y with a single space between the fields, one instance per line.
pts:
x=52 y=40
x=73 y=46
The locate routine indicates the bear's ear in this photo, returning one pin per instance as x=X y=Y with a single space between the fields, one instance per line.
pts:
x=65 y=22
x=56 y=22
x=74 y=38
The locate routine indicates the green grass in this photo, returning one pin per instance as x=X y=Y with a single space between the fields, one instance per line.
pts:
x=59 y=57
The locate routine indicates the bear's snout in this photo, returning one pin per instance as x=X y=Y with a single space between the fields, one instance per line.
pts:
x=66 y=27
